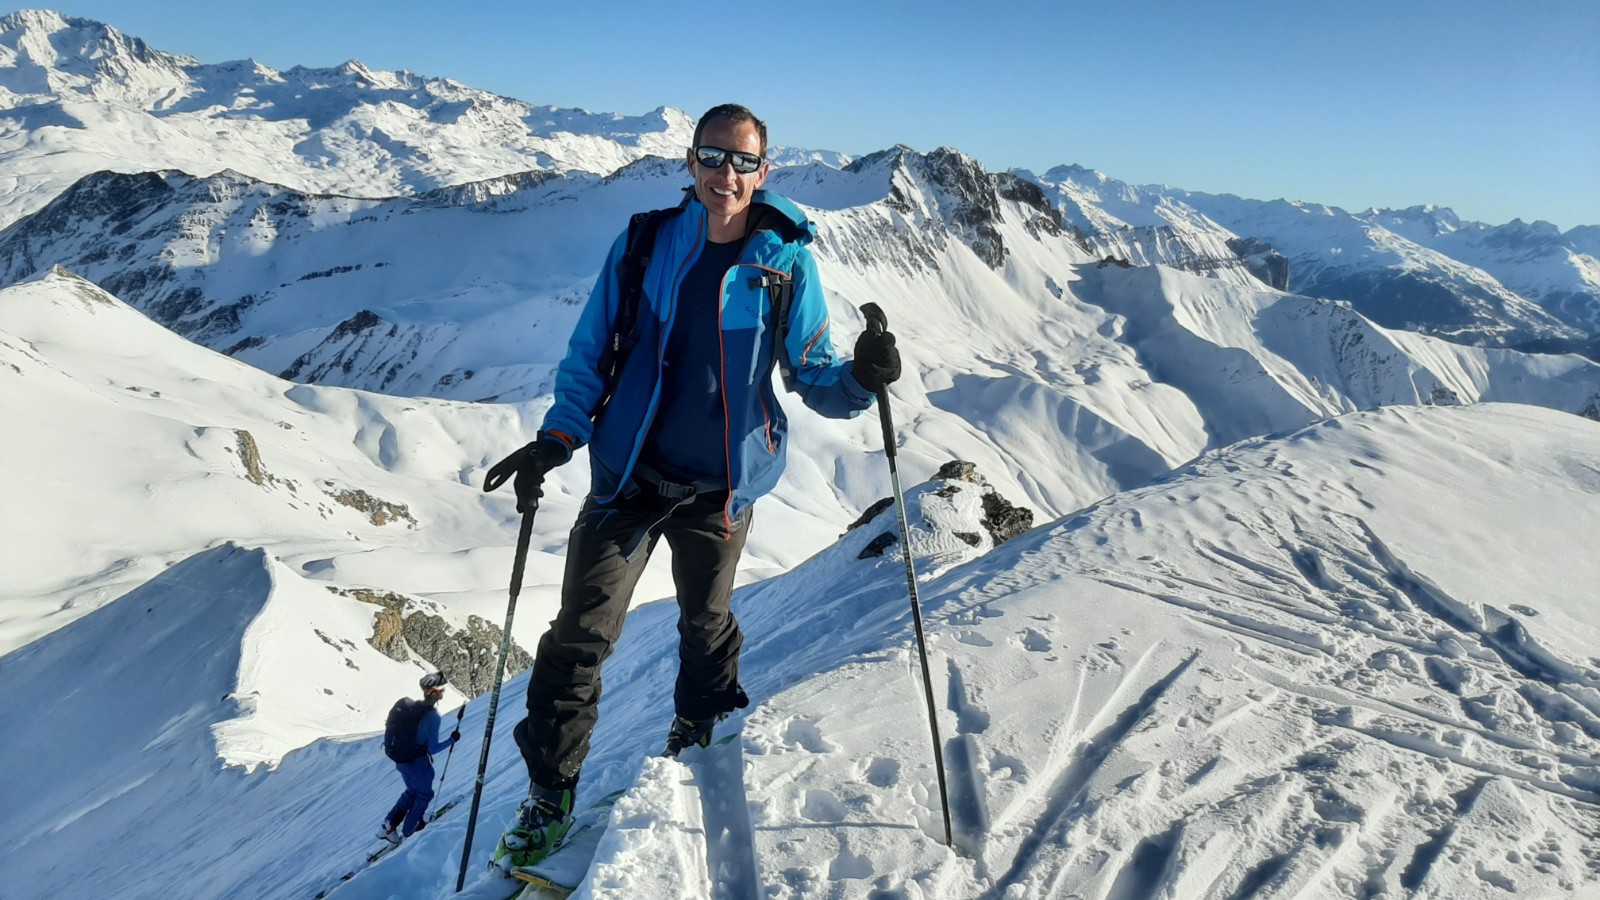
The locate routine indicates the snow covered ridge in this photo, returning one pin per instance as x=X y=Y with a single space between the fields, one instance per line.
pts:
x=1416 y=269
x=77 y=96
x=470 y=293
x=1274 y=671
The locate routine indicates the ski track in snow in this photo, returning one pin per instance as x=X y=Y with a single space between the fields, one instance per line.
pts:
x=1066 y=789
x=730 y=842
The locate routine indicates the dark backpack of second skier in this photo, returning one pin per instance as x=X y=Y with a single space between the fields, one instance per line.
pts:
x=400 y=731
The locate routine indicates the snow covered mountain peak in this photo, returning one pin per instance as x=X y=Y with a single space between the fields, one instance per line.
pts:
x=45 y=54
x=1074 y=172
x=1438 y=220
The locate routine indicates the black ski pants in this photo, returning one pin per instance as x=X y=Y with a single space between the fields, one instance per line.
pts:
x=606 y=554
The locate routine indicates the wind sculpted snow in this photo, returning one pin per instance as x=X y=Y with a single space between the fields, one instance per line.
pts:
x=1350 y=660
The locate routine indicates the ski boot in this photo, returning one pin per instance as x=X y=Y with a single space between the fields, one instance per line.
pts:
x=389 y=833
x=686 y=733
x=542 y=822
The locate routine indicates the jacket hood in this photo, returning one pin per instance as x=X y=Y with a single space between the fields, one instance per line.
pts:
x=778 y=213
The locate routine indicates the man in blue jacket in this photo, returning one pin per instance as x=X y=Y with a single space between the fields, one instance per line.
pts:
x=410 y=738
x=690 y=437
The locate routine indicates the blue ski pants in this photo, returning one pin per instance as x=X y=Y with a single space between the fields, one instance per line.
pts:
x=413 y=803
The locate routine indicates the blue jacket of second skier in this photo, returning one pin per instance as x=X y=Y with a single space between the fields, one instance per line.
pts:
x=753 y=439
x=430 y=733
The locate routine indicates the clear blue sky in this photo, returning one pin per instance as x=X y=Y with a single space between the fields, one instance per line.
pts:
x=1492 y=109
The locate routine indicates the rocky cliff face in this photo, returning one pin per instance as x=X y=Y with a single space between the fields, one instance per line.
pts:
x=1262 y=261
x=951 y=194
x=410 y=629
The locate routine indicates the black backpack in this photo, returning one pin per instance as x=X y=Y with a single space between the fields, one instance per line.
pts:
x=642 y=230
x=400 y=731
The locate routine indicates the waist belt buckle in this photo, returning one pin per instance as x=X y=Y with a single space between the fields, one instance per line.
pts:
x=674 y=491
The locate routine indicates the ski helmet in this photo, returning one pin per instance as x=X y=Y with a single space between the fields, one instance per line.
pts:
x=433 y=681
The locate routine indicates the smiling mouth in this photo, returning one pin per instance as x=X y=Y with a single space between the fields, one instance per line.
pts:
x=721 y=193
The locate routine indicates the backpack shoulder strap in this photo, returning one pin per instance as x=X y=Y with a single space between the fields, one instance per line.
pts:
x=637 y=250
x=780 y=294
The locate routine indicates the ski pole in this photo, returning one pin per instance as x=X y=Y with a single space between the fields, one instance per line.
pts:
x=878 y=323
x=523 y=537
x=452 y=751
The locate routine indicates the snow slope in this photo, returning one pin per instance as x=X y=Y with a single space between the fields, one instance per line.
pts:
x=1348 y=660
x=1010 y=335
x=1275 y=671
x=141 y=449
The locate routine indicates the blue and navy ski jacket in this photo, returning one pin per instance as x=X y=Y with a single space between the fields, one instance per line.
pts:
x=753 y=438
x=430 y=733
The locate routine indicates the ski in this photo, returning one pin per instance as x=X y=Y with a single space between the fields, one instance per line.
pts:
x=388 y=848
x=433 y=816
x=538 y=887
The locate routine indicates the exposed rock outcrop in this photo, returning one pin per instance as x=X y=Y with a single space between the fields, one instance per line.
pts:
x=1443 y=396
x=250 y=457
x=1262 y=261
x=378 y=512
x=408 y=629
x=1002 y=519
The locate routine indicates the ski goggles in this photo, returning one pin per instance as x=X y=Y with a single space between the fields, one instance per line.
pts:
x=714 y=157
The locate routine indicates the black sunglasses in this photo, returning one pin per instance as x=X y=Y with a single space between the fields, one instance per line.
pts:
x=713 y=158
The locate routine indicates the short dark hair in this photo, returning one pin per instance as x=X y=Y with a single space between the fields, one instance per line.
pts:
x=734 y=113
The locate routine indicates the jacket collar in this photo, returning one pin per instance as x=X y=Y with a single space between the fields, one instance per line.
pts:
x=769 y=212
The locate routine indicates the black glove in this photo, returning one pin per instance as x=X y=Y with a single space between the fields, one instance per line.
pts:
x=455 y=736
x=530 y=464
x=877 y=362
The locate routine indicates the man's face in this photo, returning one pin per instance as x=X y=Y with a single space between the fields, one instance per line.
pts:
x=725 y=192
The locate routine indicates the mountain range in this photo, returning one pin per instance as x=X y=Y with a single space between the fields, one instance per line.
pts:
x=1304 y=614
x=77 y=97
